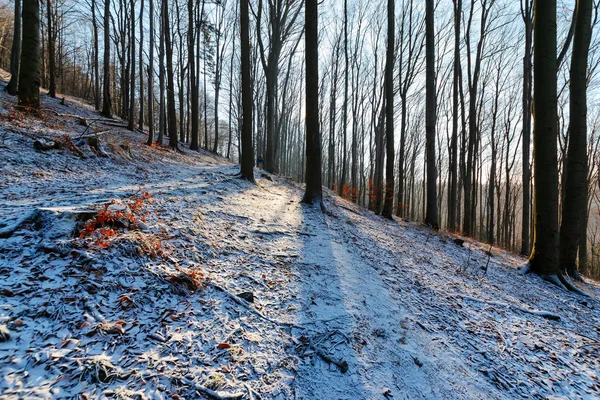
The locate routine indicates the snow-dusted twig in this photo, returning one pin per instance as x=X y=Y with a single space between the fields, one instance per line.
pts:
x=219 y=395
x=543 y=314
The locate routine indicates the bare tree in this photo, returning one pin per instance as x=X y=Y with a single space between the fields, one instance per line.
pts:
x=313 y=193
x=29 y=75
x=575 y=186
x=15 y=52
x=431 y=217
x=106 y=100
x=388 y=204
x=247 y=164
x=527 y=15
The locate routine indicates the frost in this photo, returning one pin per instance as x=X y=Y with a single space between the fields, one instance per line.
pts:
x=345 y=305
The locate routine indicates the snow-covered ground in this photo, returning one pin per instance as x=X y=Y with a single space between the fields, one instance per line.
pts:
x=346 y=305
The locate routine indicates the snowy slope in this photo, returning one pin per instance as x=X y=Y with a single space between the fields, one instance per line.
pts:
x=347 y=305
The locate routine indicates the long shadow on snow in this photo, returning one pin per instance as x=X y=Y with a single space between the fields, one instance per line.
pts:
x=323 y=311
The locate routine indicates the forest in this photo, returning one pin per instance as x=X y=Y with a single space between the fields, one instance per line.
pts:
x=173 y=69
x=181 y=158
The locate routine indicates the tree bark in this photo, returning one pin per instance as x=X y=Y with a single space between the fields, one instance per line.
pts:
x=194 y=100
x=544 y=256
x=162 y=119
x=132 y=56
x=15 y=52
x=342 y=181
x=141 y=68
x=313 y=193
x=576 y=186
x=452 y=194
x=527 y=14
x=51 y=51
x=29 y=76
x=151 y=77
x=171 y=111
x=106 y=100
x=96 y=58
x=247 y=162
x=431 y=216
x=388 y=205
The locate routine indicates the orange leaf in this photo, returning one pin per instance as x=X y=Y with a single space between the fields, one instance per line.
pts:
x=223 y=346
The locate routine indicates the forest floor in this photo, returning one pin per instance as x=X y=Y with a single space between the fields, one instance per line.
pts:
x=343 y=304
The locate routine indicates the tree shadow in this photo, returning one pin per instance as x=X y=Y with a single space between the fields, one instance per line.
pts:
x=328 y=365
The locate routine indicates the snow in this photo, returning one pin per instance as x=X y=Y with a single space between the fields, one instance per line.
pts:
x=406 y=311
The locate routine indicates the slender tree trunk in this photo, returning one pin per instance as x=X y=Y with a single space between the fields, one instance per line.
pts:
x=431 y=217
x=151 y=76
x=452 y=202
x=162 y=124
x=527 y=14
x=247 y=161
x=583 y=260
x=171 y=111
x=332 y=116
x=29 y=76
x=141 y=68
x=205 y=102
x=96 y=58
x=131 y=121
x=51 y=50
x=106 y=101
x=195 y=138
x=576 y=186
x=15 y=52
x=313 y=193
x=342 y=182
x=388 y=205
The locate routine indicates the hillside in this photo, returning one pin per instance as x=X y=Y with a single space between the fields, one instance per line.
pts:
x=199 y=285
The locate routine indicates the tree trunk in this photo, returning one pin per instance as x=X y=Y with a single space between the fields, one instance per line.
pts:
x=575 y=185
x=106 y=101
x=388 y=205
x=151 y=77
x=131 y=121
x=96 y=58
x=247 y=161
x=544 y=256
x=29 y=76
x=141 y=70
x=342 y=182
x=527 y=14
x=431 y=217
x=452 y=194
x=15 y=52
x=162 y=119
x=51 y=51
x=195 y=138
x=171 y=111
x=313 y=193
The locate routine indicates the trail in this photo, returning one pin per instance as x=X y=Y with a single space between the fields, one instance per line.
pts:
x=346 y=304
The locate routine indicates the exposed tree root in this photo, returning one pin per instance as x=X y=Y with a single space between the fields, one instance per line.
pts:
x=556 y=279
x=567 y=283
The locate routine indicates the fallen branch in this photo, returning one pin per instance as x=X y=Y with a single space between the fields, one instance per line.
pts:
x=218 y=395
x=543 y=314
x=249 y=307
x=341 y=364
